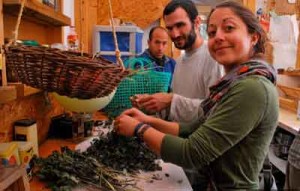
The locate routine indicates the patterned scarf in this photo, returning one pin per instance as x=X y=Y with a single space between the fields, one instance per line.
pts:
x=217 y=91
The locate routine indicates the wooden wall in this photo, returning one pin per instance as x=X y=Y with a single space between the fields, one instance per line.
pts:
x=34 y=107
x=141 y=12
x=95 y=12
x=31 y=31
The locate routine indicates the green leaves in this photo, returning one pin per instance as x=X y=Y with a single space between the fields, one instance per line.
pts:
x=120 y=152
x=100 y=166
x=67 y=169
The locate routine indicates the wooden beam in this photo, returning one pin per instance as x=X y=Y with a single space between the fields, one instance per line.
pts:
x=2 y=61
x=7 y=94
x=251 y=4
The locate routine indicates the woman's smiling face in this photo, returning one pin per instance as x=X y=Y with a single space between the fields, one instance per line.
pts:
x=229 y=41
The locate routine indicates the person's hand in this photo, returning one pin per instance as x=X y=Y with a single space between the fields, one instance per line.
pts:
x=155 y=102
x=134 y=99
x=137 y=114
x=125 y=125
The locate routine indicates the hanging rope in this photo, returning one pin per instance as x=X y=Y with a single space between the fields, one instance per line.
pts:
x=14 y=40
x=16 y=32
x=81 y=45
x=118 y=53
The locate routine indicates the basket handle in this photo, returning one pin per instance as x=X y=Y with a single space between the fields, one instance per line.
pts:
x=139 y=63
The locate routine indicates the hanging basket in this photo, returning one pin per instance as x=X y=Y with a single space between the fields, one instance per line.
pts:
x=66 y=73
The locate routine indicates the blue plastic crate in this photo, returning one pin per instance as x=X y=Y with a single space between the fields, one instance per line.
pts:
x=129 y=41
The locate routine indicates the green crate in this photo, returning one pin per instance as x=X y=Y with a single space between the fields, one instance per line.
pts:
x=144 y=81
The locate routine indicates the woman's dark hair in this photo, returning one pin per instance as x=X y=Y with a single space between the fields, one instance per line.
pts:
x=250 y=21
x=187 y=5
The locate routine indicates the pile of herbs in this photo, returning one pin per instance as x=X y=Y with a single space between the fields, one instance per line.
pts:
x=123 y=153
x=67 y=169
x=100 y=166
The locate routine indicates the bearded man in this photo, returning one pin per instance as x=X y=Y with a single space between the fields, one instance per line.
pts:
x=195 y=70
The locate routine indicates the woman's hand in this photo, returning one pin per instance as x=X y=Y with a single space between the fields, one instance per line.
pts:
x=125 y=125
x=137 y=114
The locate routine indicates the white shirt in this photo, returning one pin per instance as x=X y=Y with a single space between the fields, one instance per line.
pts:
x=194 y=73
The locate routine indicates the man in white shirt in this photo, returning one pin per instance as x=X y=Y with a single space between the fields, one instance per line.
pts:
x=195 y=70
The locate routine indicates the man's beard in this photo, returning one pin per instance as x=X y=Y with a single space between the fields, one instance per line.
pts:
x=190 y=39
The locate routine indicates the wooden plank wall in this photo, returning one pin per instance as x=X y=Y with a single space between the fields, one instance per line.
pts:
x=35 y=107
x=95 y=12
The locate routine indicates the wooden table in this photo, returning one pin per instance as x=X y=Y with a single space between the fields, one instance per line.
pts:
x=173 y=177
x=13 y=178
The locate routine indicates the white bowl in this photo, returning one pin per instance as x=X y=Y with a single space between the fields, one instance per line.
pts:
x=83 y=105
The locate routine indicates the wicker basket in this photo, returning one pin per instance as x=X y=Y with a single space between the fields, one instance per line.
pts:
x=63 y=72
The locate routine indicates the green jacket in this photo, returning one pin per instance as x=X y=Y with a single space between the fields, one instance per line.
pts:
x=234 y=140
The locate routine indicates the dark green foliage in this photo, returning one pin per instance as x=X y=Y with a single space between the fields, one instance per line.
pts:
x=66 y=169
x=123 y=153
x=100 y=166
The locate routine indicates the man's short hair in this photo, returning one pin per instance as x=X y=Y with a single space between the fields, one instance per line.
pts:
x=187 y=5
x=154 y=28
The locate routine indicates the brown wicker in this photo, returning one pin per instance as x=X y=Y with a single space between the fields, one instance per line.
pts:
x=63 y=72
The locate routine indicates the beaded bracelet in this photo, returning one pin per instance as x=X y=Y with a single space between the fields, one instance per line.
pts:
x=140 y=133
x=137 y=128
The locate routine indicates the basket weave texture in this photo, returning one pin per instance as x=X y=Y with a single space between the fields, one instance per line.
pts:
x=145 y=81
x=66 y=73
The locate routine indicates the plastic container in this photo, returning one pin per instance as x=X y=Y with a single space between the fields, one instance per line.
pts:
x=9 y=154
x=26 y=130
x=129 y=41
x=25 y=151
x=72 y=39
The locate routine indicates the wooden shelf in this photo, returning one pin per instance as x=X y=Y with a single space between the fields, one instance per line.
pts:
x=14 y=178
x=295 y=73
x=288 y=121
x=36 y=12
x=292 y=92
x=7 y=94
x=288 y=104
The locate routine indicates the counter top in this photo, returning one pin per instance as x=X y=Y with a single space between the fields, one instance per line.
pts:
x=172 y=177
x=288 y=121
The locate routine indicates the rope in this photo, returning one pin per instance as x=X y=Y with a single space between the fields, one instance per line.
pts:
x=16 y=32
x=14 y=40
x=81 y=46
x=118 y=53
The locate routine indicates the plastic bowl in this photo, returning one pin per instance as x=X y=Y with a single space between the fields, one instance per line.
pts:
x=83 y=105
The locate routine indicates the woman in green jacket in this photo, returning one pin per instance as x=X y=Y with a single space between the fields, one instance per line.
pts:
x=239 y=116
